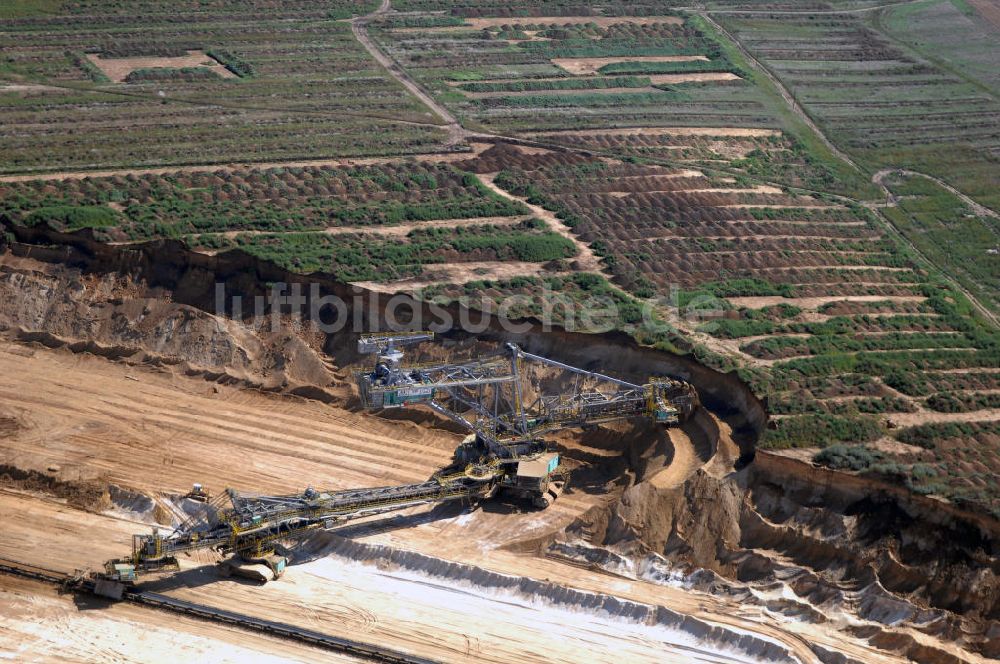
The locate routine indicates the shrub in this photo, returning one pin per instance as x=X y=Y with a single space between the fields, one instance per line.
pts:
x=820 y=430
x=853 y=457
x=232 y=62
x=92 y=71
x=70 y=218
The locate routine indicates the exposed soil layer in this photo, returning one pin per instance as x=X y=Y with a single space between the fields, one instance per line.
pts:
x=845 y=546
x=915 y=577
x=118 y=69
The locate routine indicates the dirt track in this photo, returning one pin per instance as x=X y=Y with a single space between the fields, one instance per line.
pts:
x=456 y=133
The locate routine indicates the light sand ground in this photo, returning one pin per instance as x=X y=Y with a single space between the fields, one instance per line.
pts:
x=580 y=66
x=39 y=625
x=664 y=131
x=156 y=431
x=117 y=69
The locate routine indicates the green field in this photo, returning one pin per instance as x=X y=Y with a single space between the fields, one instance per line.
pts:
x=307 y=89
x=924 y=101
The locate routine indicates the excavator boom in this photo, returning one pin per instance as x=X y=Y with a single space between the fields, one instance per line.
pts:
x=489 y=396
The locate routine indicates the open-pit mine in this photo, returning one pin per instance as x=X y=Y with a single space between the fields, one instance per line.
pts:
x=499 y=331
x=655 y=531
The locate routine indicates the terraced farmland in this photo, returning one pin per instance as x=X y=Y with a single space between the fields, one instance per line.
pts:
x=815 y=302
x=302 y=86
x=606 y=77
x=768 y=198
x=879 y=99
x=379 y=223
x=574 y=72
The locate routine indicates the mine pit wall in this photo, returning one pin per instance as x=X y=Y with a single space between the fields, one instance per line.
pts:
x=190 y=278
x=712 y=521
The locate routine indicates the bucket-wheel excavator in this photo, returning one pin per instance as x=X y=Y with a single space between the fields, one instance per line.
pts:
x=501 y=399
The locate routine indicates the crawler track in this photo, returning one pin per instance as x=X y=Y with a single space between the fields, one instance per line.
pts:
x=166 y=603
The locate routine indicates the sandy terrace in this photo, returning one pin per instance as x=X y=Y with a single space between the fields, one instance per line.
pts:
x=665 y=131
x=156 y=431
x=460 y=273
x=150 y=429
x=118 y=68
x=602 y=21
x=398 y=607
x=581 y=66
x=38 y=624
x=657 y=79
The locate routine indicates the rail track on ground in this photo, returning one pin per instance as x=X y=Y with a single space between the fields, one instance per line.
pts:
x=81 y=583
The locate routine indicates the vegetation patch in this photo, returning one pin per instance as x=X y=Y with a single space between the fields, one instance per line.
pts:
x=848 y=457
x=169 y=74
x=232 y=62
x=71 y=218
x=821 y=430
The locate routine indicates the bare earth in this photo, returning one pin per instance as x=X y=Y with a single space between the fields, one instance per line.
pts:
x=459 y=273
x=591 y=65
x=151 y=430
x=664 y=131
x=989 y=10
x=656 y=79
x=117 y=69
x=602 y=21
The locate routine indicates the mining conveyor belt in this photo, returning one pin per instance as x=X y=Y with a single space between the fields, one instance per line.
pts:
x=243 y=621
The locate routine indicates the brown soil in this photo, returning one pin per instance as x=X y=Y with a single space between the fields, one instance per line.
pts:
x=989 y=10
x=602 y=21
x=581 y=66
x=117 y=69
x=665 y=131
x=460 y=273
x=158 y=428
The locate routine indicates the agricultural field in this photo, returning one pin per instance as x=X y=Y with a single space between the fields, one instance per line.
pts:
x=950 y=233
x=374 y=223
x=792 y=205
x=132 y=84
x=814 y=302
x=883 y=101
x=525 y=76
x=626 y=85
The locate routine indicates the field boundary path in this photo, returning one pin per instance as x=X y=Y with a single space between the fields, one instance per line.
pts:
x=879 y=179
x=586 y=258
x=359 y=26
x=793 y=104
